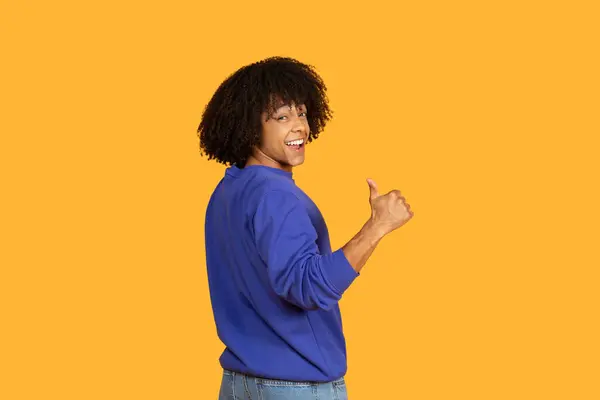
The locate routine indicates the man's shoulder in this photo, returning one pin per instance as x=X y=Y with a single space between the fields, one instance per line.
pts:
x=275 y=189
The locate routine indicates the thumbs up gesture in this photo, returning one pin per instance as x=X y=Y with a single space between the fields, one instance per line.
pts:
x=389 y=211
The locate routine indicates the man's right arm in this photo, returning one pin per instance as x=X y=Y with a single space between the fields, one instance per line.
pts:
x=286 y=241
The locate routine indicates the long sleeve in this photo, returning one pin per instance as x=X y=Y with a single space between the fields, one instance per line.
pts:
x=286 y=241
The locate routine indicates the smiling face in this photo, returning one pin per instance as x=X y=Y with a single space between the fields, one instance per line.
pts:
x=283 y=138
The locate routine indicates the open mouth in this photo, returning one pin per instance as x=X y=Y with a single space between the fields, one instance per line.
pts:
x=295 y=144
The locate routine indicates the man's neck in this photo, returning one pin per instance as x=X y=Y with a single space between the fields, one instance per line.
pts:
x=267 y=162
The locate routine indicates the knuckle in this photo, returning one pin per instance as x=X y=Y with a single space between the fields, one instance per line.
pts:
x=394 y=194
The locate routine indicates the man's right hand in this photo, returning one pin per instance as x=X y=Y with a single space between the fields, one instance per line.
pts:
x=389 y=211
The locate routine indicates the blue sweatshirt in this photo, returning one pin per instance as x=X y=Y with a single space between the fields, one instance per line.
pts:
x=274 y=281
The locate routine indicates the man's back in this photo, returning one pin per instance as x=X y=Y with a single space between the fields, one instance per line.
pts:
x=274 y=282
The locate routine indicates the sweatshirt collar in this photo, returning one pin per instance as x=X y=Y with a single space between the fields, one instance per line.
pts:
x=235 y=171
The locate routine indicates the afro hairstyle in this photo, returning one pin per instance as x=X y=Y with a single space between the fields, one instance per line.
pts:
x=231 y=122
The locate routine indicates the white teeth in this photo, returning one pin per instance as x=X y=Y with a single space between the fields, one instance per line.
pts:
x=295 y=142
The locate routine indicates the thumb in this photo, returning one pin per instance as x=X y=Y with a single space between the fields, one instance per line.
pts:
x=373 y=189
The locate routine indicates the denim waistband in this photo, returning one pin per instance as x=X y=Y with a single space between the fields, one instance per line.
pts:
x=282 y=381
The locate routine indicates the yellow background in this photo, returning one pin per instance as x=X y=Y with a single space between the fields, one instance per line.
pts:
x=484 y=114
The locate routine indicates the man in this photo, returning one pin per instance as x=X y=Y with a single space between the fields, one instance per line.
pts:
x=274 y=281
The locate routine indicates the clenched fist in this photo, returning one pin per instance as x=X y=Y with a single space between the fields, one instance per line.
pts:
x=389 y=211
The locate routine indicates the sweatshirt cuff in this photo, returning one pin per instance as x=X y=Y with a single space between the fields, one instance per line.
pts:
x=340 y=273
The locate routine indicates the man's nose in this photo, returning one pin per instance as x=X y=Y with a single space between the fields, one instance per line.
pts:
x=299 y=125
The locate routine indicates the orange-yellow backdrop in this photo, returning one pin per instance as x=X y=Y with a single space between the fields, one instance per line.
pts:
x=485 y=115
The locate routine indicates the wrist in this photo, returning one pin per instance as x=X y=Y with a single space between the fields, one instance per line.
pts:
x=373 y=230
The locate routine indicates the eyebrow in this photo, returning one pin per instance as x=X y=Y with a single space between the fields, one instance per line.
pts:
x=289 y=106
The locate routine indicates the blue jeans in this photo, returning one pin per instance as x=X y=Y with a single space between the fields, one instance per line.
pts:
x=237 y=386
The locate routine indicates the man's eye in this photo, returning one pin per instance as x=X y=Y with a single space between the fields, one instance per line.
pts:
x=302 y=114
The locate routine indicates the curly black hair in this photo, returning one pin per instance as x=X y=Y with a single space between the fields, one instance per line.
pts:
x=231 y=125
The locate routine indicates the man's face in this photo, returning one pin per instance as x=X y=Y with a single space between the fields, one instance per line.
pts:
x=284 y=135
